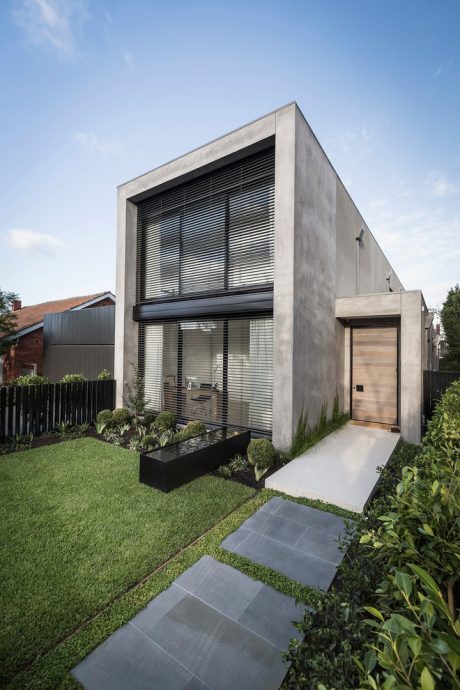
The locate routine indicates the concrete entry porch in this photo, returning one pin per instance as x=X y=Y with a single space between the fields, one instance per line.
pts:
x=341 y=469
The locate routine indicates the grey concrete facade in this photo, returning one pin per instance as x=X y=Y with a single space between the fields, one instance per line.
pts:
x=317 y=259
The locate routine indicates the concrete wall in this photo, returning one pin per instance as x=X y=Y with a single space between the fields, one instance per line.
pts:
x=314 y=345
x=373 y=267
x=126 y=330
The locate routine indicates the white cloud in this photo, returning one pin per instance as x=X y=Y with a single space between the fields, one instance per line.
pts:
x=378 y=203
x=440 y=186
x=25 y=240
x=92 y=143
x=50 y=24
x=358 y=140
x=127 y=57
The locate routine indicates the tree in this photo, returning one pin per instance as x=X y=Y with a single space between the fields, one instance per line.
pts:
x=450 y=319
x=7 y=319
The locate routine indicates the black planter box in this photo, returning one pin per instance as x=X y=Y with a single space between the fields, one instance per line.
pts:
x=169 y=467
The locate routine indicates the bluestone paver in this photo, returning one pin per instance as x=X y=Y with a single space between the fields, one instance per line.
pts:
x=297 y=540
x=213 y=628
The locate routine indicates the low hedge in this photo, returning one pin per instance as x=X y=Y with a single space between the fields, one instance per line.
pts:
x=392 y=618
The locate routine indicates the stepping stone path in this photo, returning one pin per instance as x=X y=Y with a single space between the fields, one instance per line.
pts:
x=216 y=628
x=296 y=540
x=213 y=628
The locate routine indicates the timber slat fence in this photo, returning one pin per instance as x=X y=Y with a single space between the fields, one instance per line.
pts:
x=434 y=385
x=38 y=409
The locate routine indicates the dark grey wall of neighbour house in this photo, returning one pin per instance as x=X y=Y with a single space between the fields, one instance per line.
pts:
x=78 y=342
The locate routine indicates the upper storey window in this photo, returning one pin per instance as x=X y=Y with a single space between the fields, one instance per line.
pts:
x=212 y=234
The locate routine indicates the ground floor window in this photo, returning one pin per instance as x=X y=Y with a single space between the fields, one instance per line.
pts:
x=216 y=370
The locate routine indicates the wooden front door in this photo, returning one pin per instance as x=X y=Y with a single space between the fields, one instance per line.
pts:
x=374 y=374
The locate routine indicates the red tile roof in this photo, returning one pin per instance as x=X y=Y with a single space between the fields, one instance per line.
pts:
x=29 y=316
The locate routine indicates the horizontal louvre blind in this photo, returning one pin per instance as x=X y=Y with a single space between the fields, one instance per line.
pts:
x=212 y=234
x=219 y=370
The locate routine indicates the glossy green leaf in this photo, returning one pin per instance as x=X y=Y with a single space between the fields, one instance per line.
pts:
x=426 y=680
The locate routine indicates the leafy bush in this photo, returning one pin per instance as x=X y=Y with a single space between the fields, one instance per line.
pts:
x=104 y=420
x=136 y=402
x=402 y=569
x=149 y=442
x=165 y=421
x=113 y=436
x=19 y=442
x=238 y=464
x=105 y=375
x=73 y=378
x=335 y=634
x=261 y=455
x=121 y=416
x=30 y=380
x=224 y=471
x=105 y=416
x=192 y=429
x=135 y=444
x=63 y=428
x=417 y=621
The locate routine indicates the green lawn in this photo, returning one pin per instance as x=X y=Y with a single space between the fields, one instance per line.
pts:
x=77 y=529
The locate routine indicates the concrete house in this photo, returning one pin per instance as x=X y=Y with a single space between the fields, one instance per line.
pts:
x=250 y=287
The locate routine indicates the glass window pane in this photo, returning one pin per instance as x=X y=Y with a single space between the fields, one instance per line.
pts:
x=251 y=238
x=203 y=247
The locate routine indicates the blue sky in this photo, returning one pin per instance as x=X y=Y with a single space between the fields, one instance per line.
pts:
x=96 y=92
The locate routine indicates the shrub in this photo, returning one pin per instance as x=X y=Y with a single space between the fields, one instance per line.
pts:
x=261 y=455
x=19 y=442
x=136 y=402
x=73 y=378
x=334 y=634
x=165 y=421
x=224 y=471
x=121 y=416
x=104 y=417
x=112 y=436
x=149 y=442
x=192 y=429
x=105 y=375
x=30 y=380
x=417 y=545
x=238 y=463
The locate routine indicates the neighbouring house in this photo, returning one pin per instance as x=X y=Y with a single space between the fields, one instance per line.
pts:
x=79 y=341
x=26 y=353
x=250 y=288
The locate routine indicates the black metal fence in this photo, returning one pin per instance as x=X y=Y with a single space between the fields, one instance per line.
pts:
x=434 y=385
x=37 y=409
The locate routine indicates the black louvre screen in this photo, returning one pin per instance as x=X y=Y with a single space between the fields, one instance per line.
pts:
x=216 y=370
x=212 y=234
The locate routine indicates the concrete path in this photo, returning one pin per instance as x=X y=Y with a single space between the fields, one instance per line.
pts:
x=296 y=540
x=213 y=628
x=341 y=469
